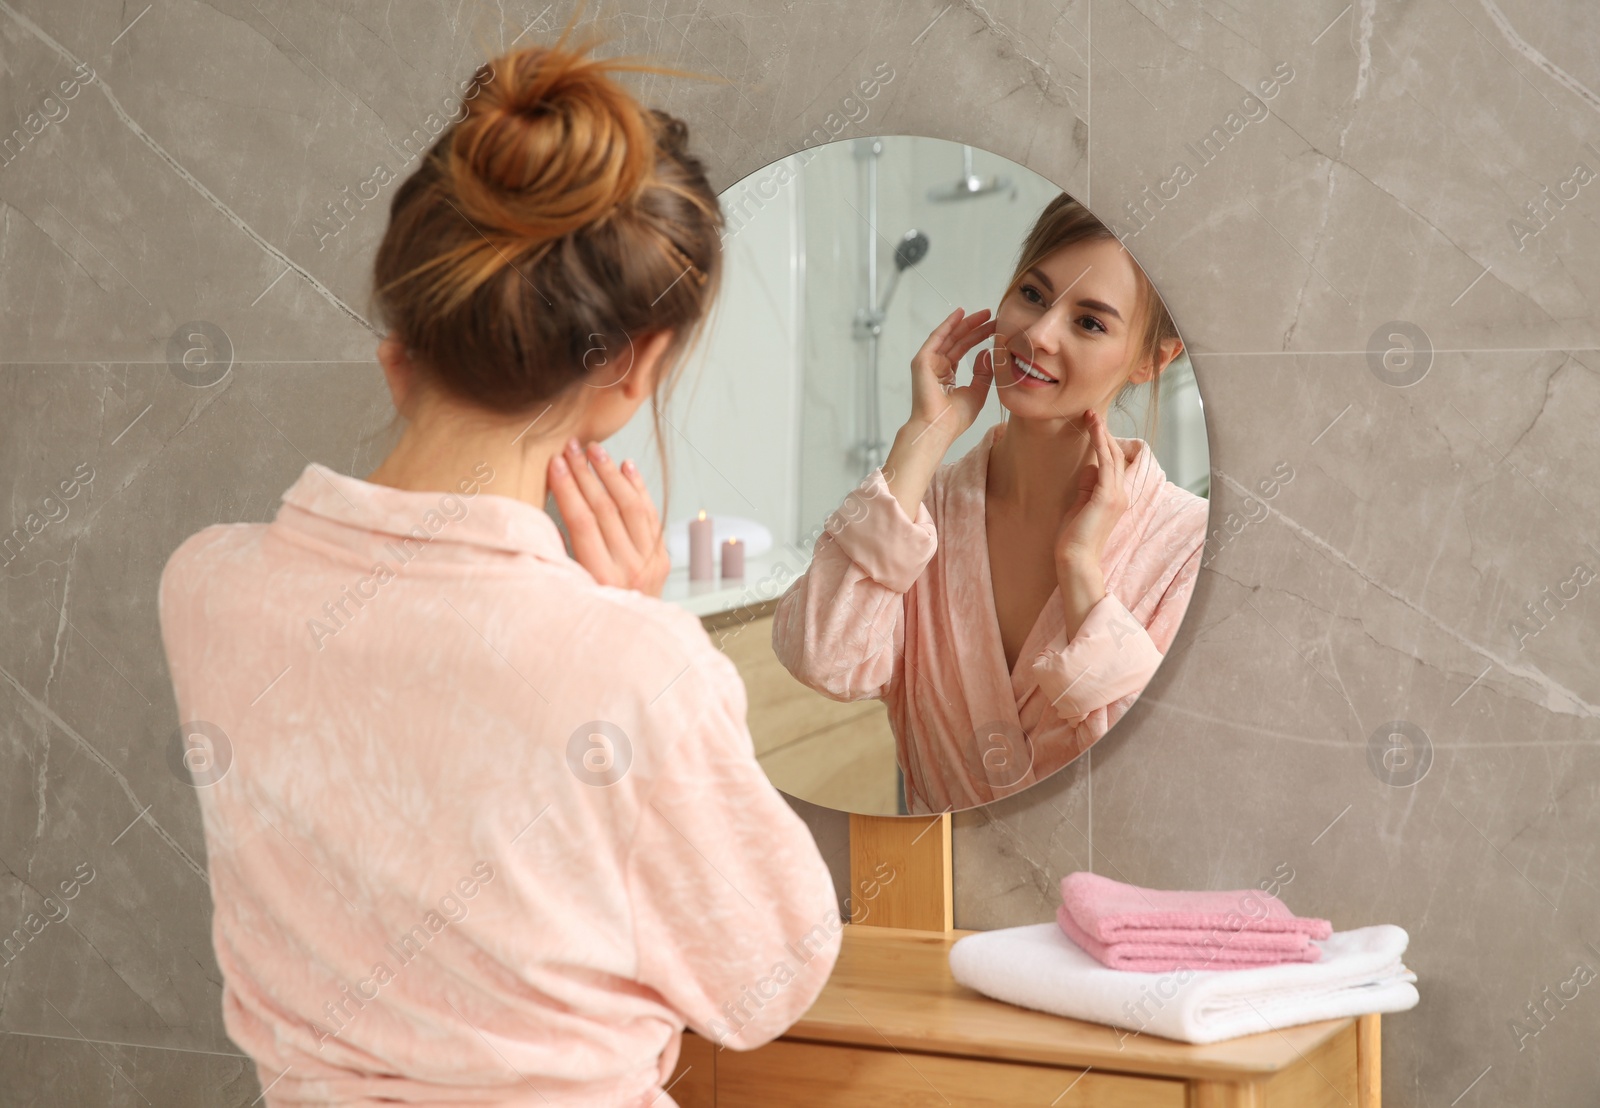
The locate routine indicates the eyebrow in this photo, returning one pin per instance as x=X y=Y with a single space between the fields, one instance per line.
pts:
x=1097 y=305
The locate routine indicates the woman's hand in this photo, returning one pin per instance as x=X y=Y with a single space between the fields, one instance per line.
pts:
x=615 y=531
x=936 y=400
x=1081 y=540
x=1102 y=499
x=940 y=411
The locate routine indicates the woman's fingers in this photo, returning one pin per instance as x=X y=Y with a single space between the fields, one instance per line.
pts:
x=1114 y=448
x=960 y=335
x=929 y=359
x=977 y=393
x=972 y=338
x=653 y=572
x=940 y=333
x=1104 y=447
x=970 y=327
x=983 y=369
x=956 y=326
x=588 y=546
x=632 y=500
x=936 y=364
x=608 y=519
x=974 y=319
x=1108 y=455
x=958 y=338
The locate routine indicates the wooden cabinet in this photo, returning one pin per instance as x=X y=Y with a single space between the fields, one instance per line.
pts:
x=788 y=1073
x=839 y=754
x=893 y=1029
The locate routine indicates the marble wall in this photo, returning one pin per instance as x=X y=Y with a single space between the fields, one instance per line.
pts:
x=1375 y=224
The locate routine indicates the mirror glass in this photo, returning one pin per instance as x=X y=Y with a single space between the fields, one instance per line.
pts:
x=899 y=661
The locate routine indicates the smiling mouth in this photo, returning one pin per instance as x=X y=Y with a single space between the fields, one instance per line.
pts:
x=1028 y=369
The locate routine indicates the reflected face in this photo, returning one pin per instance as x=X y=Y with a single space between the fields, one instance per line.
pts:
x=1066 y=336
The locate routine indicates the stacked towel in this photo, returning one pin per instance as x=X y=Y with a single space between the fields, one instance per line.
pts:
x=1127 y=927
x=1036 y=966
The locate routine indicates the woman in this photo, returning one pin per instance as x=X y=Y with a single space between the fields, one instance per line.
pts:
x=1009 y=607
x=494 y=831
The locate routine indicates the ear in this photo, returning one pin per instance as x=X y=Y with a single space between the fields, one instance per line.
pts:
x=397 y=371
x=645 y=355
x=1168 y=350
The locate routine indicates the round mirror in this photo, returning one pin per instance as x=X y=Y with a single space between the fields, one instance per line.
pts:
x=938 y=474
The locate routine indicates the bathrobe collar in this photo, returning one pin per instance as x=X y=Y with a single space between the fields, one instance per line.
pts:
x=1143 y=479
x=481 y=519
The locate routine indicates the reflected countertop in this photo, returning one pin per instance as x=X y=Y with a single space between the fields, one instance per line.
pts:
x=766 y=577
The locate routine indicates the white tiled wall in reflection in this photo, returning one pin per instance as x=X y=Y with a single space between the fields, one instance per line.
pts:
x=732 y=425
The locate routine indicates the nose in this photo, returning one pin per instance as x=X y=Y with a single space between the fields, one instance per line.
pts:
x=1044 y=335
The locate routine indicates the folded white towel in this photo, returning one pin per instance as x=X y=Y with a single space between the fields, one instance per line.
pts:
x=1037 y=966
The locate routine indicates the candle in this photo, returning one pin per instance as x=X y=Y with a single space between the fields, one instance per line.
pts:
x=732 y=559
x=700 y=548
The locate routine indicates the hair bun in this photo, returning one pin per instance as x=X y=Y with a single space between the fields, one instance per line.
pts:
x=549 y=144
x=672 y=133
x=554 y=219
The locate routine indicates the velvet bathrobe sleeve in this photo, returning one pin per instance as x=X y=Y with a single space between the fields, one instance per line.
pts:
x=1113 y=655
x=840 y=628
x=736 y=921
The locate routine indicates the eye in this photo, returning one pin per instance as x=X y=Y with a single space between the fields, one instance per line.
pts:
x=1031 y=294
x=1097 y=324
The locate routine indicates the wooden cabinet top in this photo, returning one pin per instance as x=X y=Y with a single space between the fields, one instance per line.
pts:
x=892 y=988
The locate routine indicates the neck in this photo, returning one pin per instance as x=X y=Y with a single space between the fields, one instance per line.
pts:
x=441 y=448
x=1035 y=464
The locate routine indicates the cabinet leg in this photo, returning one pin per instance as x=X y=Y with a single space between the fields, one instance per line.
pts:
x=1369 y=1061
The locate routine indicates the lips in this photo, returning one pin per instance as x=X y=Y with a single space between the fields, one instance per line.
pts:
x=1027 y=373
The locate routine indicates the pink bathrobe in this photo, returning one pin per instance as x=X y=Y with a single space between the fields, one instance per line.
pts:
x=485 y=831
x=903 y=611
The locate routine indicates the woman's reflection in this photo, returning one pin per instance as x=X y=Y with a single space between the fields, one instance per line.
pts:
x=1010 y=606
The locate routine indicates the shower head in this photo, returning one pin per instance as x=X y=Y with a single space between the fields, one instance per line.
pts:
x=970 y=184
x=910 y=250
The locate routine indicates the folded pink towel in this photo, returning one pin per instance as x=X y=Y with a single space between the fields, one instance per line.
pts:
x=1259 y=942
x=1111 y=912
x=1165 y=957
